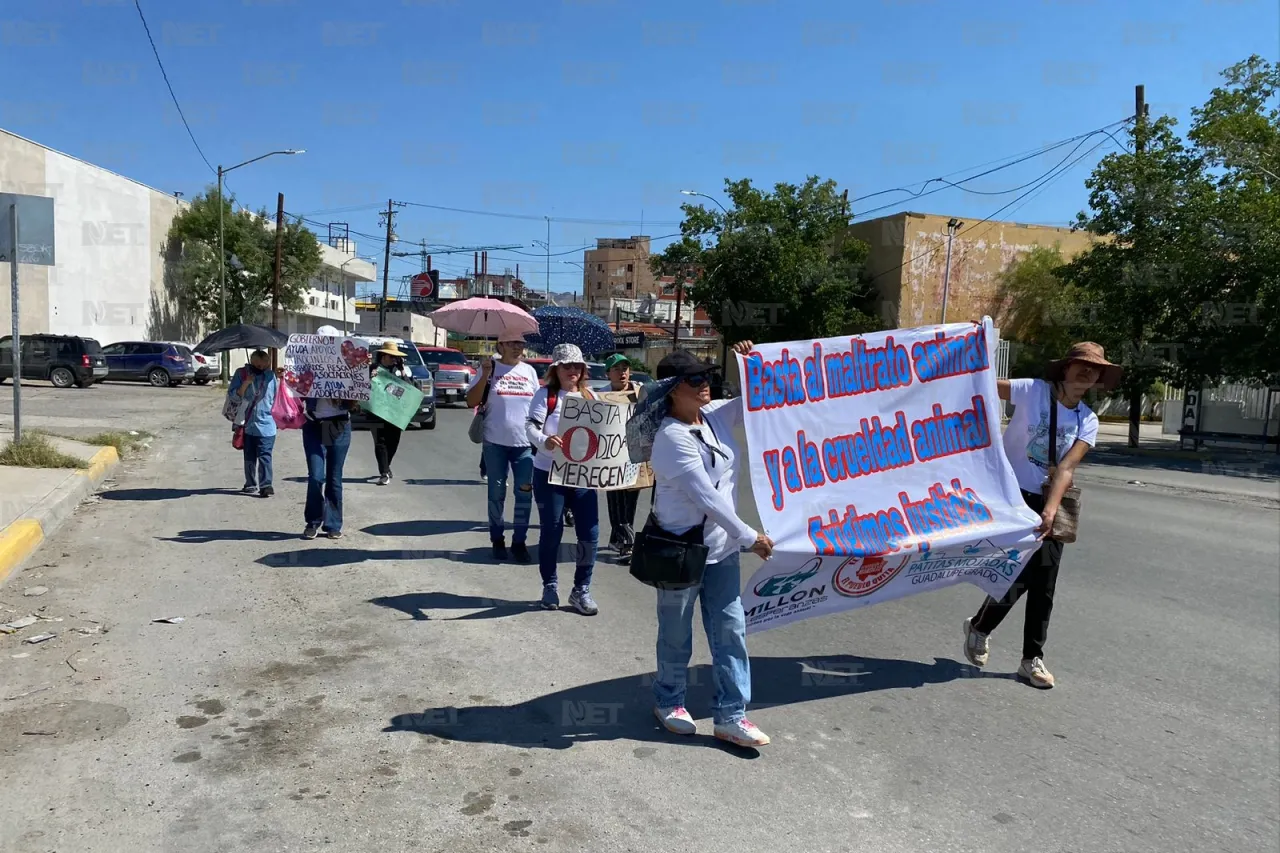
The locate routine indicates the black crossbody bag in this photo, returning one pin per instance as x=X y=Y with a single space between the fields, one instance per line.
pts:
x=665 y=560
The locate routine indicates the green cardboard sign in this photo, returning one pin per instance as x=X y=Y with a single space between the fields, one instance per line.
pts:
x=392 y=399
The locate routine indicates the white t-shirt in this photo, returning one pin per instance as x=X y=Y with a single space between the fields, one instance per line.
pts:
x=1026 y=439
x=536 y=435
x=510 y=394
x=676 y=452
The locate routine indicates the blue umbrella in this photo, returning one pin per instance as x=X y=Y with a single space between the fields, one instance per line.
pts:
x=560 y=325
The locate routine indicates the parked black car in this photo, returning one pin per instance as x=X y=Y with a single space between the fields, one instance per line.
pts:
x=64 y=360
x=162 y=364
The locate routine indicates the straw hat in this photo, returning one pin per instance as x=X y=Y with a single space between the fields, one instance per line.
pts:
x=1086 y=352
x=391 y=349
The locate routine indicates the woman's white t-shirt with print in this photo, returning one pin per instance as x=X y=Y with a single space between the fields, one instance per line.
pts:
x=1026 y=439
x=507 y=407
x=678 y=451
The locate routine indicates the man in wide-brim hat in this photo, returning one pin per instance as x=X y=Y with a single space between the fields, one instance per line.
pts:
x=1087 y=353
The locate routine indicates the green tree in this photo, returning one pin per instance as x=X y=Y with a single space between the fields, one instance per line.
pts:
x=777 y=266
x=1234 y=333
x=249 y=241
x=1038 y=311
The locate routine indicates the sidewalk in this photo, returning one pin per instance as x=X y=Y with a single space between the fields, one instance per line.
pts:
x=38 y=500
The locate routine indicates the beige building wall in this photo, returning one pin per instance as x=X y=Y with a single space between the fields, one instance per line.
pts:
x=617 y=268
x=22 y=171
x=909 y=254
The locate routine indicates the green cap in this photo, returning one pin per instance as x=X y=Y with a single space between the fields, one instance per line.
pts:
x=614 y=360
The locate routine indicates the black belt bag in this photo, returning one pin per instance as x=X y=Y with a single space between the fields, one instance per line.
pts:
x=666 y=560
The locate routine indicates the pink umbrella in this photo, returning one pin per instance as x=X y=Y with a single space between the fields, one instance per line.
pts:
x=481 y=316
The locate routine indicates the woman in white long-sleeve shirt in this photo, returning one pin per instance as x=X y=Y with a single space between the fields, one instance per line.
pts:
x=566 y=375
x=695 y=463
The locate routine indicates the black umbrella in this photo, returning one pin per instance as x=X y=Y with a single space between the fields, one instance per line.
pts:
x=243 y=336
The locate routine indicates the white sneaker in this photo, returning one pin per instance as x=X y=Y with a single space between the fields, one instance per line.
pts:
x=676 y=720
x=1034 y=673
x=976 y=645
x=742 y=733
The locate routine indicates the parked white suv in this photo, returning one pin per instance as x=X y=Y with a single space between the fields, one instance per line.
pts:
x=208 y=365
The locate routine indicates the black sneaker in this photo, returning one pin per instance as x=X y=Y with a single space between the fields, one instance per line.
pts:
x=499 y=549
x=521 y=552
x=312 y=531
x=266 y=492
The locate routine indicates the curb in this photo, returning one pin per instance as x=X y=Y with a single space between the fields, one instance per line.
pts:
x=23 y=537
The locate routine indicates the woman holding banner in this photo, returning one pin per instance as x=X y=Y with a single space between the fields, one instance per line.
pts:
x=695 y=463
x=1044 y=465
x=566 y=375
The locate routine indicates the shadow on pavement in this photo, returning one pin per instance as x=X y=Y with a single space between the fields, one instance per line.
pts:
x=162 y=494
x=195 y=537
x=423 y=527
x=429 y=481
x=414 y=603
x=1264 y=467
x=321 y=556
x=621 y=708
x=346 y=481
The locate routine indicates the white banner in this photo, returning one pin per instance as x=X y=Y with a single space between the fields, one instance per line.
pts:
x=321 y=366
x=593 y=453
x=878 y=471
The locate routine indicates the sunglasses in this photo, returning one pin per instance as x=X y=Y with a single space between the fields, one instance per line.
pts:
x=697 y=380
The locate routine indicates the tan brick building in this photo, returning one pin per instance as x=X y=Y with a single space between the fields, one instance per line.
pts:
x=908 y=260
x=618 y=267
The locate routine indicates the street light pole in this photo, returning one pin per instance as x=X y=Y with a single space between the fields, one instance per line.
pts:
x=952 y=225
x=222 y=254
x=343 y=276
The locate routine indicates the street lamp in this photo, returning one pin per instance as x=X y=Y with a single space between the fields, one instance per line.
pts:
x=952 y=225
x=343 y=277
x=222 y=265
x=709 y=198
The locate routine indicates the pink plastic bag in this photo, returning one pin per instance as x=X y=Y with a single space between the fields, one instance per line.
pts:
x=287 y=410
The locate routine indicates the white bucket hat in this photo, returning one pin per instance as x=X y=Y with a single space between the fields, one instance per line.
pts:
x=567 y=354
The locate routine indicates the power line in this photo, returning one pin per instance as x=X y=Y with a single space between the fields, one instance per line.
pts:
x=532 y=217
x=165 y=75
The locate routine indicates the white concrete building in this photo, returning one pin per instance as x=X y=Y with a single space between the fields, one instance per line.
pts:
x=111 y=276
x=108 y=281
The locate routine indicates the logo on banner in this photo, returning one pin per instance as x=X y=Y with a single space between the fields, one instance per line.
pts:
x=860 y=576
x=983 y=559
x=783 y=584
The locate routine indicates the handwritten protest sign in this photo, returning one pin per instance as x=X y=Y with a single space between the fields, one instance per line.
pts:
x=321 y=366
x=879 y=472
x=593 y=453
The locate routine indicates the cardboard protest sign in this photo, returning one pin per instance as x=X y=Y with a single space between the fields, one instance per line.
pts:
x=879 y=472
x=323 y=366
x=393 y=399
x=593 y=454
x=644 y=477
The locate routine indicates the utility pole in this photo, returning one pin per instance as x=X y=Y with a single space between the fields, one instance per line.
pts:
x=675 y=331
x=275 y=275
x=1139 y=147
x=952 y=225
x=390 y=214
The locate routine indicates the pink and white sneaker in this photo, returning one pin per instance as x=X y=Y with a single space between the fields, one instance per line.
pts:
x=742 y=733
x=676 y=720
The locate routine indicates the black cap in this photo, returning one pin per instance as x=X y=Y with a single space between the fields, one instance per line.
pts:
x=683 y=363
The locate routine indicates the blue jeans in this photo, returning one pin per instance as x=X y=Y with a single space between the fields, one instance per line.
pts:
x=726 y=628
x=498 y=459
x=324 y=477
x=586 y=522
x=257 y=460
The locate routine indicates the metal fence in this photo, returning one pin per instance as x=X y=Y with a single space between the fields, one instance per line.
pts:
x=1002 y=360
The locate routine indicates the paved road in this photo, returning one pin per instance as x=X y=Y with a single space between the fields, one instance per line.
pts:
x=319 y=693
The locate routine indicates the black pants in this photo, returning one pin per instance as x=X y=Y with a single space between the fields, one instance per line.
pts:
x=622 y=515
x=1038 y=581
x=386 y=441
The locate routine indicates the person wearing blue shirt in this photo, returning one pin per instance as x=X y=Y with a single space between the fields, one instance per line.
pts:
x=257 y=391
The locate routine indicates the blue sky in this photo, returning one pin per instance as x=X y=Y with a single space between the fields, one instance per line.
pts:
x=602 y=110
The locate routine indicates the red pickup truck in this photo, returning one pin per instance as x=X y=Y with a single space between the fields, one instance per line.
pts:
x=451 y=370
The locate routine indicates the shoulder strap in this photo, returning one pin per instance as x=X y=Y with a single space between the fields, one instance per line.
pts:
x=551 y=401
x=1053 y=428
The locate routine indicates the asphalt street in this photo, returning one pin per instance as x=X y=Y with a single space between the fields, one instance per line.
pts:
x=318 y=696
